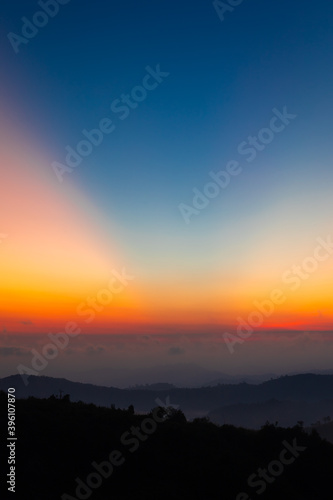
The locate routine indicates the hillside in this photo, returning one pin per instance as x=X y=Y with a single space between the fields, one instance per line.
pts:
x=65 y=452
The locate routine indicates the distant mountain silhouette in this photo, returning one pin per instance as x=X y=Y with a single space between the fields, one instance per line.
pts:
x=160 y=386
x=190 y=375
x=193 y=402
x=249 y=379
x=176 y=373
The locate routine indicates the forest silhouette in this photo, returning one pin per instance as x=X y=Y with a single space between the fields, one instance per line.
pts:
x=58 y=441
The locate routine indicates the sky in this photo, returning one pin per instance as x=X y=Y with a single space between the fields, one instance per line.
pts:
x=166 y=180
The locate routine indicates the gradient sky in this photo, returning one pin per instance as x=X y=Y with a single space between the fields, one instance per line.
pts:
x=119 y=208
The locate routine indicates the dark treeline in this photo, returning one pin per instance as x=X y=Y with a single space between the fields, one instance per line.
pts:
x=157 y=456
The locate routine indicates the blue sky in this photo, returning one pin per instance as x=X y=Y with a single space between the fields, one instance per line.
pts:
x=225 y=77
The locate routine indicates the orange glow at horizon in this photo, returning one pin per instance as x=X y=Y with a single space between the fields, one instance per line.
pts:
x=55 y=257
